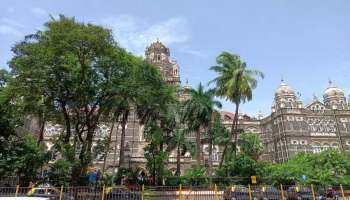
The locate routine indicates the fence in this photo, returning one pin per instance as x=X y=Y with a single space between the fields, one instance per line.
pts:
x=234 y=192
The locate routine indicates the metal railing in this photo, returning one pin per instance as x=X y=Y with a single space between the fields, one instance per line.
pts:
x=214 y=192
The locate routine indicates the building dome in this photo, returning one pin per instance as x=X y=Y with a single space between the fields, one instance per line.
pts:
x=284 y=89
x=187 y=87
x=333 y=91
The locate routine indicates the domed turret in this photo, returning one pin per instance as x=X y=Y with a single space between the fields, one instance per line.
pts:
x=333 y=91
x=334 y=97
x=186 y=92
x=284 y=90
x=285 y=97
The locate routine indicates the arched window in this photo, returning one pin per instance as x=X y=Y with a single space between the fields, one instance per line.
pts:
x=316 y=147
x=325 y=146
x=335 y=146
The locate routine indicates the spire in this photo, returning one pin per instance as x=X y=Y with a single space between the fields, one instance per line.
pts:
x=330 y=83
x=315 y=98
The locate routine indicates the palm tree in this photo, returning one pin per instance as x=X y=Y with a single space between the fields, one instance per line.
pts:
x=181 y=144
x=251 y=145
x=234 y=83
x=198 y=112
x=213 y=130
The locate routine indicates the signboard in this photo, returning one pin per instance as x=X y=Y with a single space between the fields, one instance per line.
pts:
x=253 y=179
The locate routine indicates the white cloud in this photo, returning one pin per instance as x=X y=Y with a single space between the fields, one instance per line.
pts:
x=10 y=27
x=11 y=22
x=38 y=11
x=135 y=34
x=8 y=30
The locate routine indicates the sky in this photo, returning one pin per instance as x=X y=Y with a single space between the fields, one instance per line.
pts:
x=304 y=42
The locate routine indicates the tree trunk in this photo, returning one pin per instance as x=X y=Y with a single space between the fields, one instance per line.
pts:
x=178 y=161
x=198 y=147
x=233 y=130
x=67 y=121
x=115 y=148
x=210 y=154
x=122 y=138
x=42 y=122
x=107 y=148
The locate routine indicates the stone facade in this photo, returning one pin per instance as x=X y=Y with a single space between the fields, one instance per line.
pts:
x=159 y=55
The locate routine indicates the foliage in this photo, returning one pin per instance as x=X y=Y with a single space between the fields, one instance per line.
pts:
x=235 y=82
x=250 y=145
x=220 y=132
x=179 y=142
x=22 y=157
x=195 y=176
x=60 y=173
x=156 y=157
x=326 y=168
x=246 y=163
x=68 y=58
x=198 y=111
x=100 y=151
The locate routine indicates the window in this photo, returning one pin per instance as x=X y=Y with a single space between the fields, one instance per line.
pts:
x=316 y=148
x=294 y=142
x=158 y=57
x=303 y=142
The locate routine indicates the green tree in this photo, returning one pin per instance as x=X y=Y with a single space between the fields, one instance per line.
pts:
x=235 y=82
x=155 y=156
x=215 y=132
x=63 y=162
x=76 y=67
x=330 y=167
x=22 y=157
x=251 y=145
x=198 y=112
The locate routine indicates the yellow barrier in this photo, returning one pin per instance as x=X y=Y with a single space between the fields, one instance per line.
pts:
x=282 y=192
x=17 y=190
x=180 y=191
x=61 y=192
x=250 y=192
x=313 y=192
x=143 y=192
x=342 y=191
x=103 y=193
x=216 y=193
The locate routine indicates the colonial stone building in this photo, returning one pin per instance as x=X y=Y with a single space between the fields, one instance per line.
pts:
x=290 y=128
x=293 y=128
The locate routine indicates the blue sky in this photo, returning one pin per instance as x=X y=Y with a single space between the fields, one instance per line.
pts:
x=307 y=42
